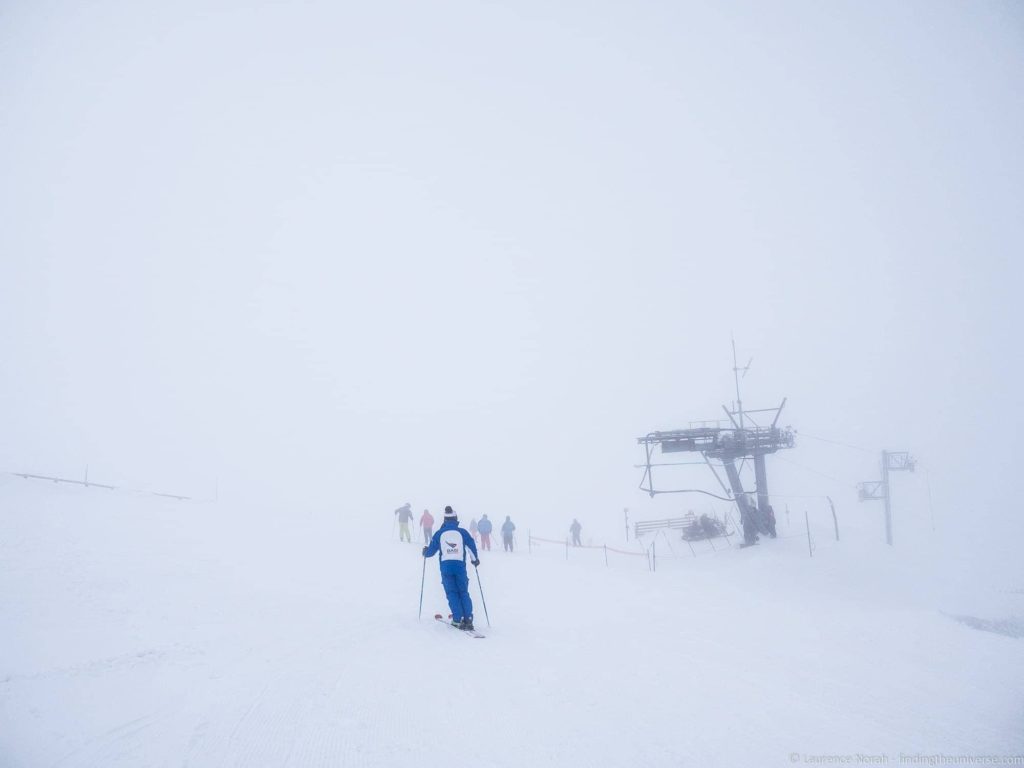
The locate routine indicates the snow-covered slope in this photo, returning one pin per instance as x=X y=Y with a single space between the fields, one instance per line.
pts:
x=142 y=632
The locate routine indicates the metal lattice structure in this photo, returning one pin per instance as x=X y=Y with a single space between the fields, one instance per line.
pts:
x=879 y=490
x=746 y=436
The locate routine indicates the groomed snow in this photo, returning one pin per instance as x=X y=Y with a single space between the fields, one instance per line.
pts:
x=145 y=632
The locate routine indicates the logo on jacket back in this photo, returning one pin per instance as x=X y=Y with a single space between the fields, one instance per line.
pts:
x=452 y=547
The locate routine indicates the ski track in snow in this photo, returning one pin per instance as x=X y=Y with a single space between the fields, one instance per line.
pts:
x=229 y=643
x=118 y=745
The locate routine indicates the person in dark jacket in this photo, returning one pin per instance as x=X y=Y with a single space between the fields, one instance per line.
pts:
x=404 y=515
x=575 y=529
x=508 y=531
x=453 y=542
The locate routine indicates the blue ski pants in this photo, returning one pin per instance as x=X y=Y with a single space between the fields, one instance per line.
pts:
x=456 y=588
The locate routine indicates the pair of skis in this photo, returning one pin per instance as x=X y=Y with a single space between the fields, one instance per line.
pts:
x=467 y=632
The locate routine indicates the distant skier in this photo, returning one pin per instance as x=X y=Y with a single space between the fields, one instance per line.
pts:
x=427 y=524
x=404 y=515
x=473 y=530
x=575 y=529
x=484 y=528
x=508 y=531
x=771 y=521
x=452 y=542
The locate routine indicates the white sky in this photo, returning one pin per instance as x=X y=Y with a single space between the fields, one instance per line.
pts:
x=467 y=252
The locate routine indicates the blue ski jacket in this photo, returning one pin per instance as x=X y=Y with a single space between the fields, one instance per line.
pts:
x=452 y=542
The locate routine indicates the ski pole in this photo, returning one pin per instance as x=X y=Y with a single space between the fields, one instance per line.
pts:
x=483 y=600
x=423 y=579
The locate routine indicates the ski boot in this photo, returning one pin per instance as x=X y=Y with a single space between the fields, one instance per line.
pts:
x=467 y=624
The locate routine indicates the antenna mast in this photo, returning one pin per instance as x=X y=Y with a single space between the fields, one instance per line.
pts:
x=736 y=376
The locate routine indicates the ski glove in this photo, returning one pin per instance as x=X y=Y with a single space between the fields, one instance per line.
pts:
x=475 y=563
x=424 y=551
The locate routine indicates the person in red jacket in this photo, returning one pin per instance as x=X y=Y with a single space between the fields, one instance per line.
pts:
x=427 y=524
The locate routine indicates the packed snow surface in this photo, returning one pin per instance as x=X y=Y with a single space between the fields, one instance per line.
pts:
x=147 y=632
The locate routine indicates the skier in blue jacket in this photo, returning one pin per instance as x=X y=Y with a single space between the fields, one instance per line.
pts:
x=452 y=542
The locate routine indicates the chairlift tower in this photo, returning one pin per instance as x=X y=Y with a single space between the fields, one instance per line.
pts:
x=746 y=435
x=878 y=490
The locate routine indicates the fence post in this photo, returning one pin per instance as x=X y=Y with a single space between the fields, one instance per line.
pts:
x=807 y=522
x=835 y=520
x=654 y=556
x=529 y=542
x=668 y=541
x=567 y=549
x=605 y=555
x=728 y=516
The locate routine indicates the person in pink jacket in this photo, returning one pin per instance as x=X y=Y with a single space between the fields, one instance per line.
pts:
x=427 y=524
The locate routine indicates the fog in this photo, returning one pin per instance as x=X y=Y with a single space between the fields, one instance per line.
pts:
x=360 y=254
